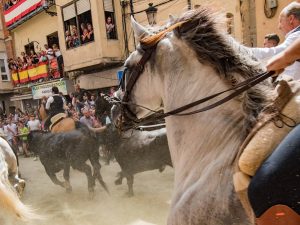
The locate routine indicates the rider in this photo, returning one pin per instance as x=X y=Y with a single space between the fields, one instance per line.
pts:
x=54 y=105
x=274 y=191
x=289 y=24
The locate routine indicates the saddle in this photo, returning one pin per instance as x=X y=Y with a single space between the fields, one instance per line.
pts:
x=56 y=118
x=266 y=136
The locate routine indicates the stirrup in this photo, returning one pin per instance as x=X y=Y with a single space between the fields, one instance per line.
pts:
x=279 y=215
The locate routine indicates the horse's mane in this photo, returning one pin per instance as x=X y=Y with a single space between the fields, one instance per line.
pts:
x=230 y=60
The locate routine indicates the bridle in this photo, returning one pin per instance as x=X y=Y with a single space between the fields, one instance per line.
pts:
x=130 y=120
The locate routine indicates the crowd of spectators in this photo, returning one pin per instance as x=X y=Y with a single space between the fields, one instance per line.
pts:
x=82 y=107
x=33 y=58
x=15 y=127
x=9 y=3
x=79 y=105
x=73 y=39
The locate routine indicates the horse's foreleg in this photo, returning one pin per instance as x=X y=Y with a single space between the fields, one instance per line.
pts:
x=54 y=178
x=130 y=185
x=16 y=181
x=67 y=178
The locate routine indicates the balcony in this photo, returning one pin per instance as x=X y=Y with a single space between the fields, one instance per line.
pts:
x=34 y=74
x=21 y=11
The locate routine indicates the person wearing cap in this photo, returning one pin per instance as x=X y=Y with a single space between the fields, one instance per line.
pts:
x=54 y=105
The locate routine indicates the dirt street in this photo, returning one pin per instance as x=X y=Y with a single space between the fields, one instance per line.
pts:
x=149 y=206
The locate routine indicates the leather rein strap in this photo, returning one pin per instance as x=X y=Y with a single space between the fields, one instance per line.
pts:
x=137 y=71
x=238 y=89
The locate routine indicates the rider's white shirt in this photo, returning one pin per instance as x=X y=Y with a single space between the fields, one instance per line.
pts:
x=264 y=53
x=51 y=99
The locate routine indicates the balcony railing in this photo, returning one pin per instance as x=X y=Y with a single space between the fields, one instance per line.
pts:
x=40 y=72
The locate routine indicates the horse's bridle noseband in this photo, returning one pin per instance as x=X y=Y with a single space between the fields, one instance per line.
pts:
x=130 y=120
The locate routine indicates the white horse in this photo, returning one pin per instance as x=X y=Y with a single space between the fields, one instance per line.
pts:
x=9 y=199
x=195 y=60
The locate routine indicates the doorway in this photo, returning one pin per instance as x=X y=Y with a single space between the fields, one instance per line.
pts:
x=53 y=39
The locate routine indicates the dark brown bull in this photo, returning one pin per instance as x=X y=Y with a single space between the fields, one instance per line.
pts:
x=137 y=151
x=61 y=150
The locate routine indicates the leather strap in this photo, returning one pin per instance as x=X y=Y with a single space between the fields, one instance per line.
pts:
x=240 y=88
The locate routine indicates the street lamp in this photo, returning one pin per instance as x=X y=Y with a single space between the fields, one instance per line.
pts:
x=47 y=4
x=151 y=12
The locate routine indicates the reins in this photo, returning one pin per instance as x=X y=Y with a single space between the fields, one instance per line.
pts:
x=149 y=44
x=238 y=89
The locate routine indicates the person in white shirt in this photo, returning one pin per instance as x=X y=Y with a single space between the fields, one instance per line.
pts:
x=33 y=123
x=289 y=24
x=49 y=52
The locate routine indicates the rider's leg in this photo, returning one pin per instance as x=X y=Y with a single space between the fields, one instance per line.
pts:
x=277 y=181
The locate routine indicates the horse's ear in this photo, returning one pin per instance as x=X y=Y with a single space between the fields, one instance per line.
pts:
x=139 y=31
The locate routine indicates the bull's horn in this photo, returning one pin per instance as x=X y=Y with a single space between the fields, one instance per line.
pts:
x=139 y=31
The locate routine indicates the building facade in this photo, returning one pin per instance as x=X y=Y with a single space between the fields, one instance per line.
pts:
x=6 y=87
x=95 y=36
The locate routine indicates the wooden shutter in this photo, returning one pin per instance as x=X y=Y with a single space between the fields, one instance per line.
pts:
x=108 y=6
x=69 y=12
x=83 y=6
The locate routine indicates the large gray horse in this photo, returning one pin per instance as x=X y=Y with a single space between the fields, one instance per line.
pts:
x=194 y=60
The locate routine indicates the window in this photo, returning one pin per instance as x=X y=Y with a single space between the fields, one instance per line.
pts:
x=78 y=23
x=110 y=26
x=3 y=71
x=53 y=39
x=28 y=48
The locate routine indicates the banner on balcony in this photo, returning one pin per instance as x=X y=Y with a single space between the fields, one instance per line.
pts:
x=37 y=72
x=23 y=76
x=20 y=10
x=15 y=77
x=42 y=90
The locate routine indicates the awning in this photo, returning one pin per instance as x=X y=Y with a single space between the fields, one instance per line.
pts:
x=103 y=79
x=20 y=97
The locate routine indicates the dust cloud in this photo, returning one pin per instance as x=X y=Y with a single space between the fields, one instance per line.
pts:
x=149 y=206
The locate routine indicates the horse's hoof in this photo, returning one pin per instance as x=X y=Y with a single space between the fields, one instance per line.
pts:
x=22 y=184
x=19 y=189
x=118 y=182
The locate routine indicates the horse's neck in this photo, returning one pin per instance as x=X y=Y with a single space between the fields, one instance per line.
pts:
x=204 y=144
x=43 y=112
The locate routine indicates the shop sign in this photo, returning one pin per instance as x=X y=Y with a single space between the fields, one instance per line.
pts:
x=42 y=90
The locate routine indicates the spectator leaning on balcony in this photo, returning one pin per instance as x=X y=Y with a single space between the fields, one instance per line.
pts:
x=60 y=59
x=289 y=24
x=49 y=52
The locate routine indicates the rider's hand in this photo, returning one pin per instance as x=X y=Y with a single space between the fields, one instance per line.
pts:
x=278 y=63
